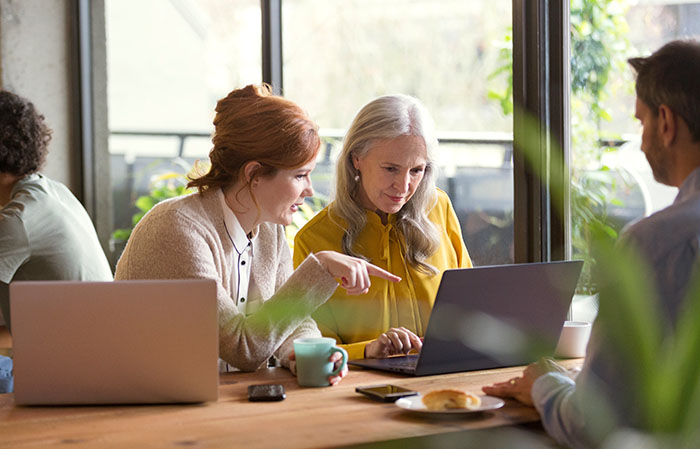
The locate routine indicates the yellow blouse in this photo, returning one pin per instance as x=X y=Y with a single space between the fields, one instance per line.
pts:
x=356 y=320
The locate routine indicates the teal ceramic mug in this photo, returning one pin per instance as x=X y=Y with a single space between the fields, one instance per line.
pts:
x=313 y=366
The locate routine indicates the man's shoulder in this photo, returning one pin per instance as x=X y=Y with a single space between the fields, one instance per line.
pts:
x=12 y=225
x=32 y=195
x=32 y=187
x=675 y=225
x=677 y=214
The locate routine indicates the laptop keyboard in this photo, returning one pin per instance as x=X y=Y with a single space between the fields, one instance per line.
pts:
x=402 y=362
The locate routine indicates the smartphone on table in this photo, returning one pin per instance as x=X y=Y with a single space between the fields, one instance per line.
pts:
x=266 y=392
x=385 y=392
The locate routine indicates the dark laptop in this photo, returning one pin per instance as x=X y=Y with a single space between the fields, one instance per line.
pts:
x=491 y=317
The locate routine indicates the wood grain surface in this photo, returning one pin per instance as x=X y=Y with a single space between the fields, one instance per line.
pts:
x=307 y=418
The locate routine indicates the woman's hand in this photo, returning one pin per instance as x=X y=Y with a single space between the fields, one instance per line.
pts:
x=353 y=272
x=336 y=358
x=394 y=341
x=293 y=362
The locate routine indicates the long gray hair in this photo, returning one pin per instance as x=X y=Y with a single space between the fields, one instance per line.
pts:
x=389 y=117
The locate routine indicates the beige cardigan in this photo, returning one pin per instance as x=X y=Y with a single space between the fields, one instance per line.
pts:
x=185 y=238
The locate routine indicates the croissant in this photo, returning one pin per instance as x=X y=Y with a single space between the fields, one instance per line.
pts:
x=451 y=399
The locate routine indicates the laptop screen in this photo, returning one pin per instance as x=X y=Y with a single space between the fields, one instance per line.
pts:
x=496 y=316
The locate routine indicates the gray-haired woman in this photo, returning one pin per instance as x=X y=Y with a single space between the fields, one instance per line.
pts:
x=386 y=210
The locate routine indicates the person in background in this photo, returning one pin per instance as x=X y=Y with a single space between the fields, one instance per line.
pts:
x=45 y=233
x=232 y=231
x=386 y=210
x=668 y=107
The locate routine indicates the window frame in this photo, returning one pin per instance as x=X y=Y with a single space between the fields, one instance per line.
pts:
x=90 y=79
x=542 y=218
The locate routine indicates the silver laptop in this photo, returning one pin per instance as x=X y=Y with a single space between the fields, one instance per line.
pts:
x=116 y=342
x=491 y=317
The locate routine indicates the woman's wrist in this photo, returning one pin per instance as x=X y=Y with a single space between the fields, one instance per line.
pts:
x=320 y=257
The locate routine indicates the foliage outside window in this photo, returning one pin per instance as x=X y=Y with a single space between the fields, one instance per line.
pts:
x=598 y=46
x=163 y=186
x=173 y=184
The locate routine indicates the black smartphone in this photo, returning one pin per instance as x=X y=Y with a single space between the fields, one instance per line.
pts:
x=386 y=393
x=266 y=392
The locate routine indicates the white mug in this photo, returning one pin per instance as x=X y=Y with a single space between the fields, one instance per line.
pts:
x=573 y=339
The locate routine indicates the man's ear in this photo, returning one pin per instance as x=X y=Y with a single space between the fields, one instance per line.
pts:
x=250 y=171
x=668 y=125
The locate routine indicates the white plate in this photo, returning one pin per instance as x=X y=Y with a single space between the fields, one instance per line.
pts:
x=415 y=404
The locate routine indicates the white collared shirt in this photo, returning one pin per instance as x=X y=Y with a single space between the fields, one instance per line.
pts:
x=242 y=257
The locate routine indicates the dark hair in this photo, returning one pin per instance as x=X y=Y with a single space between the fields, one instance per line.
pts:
x=252 y=124
x=671 y=76
x=24 y=137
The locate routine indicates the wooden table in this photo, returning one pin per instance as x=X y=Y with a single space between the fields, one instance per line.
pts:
x=308 y=418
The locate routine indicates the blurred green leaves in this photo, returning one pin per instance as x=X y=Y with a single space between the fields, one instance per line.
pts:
x=662 y=360
x=163 y=186
x=504 y=71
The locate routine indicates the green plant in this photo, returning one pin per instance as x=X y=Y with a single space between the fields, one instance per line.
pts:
x=598 y=46
x=163 y=186
x=661 y=360
x=504 y=95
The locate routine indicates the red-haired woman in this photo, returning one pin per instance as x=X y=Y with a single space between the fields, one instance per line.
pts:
x=232 y=231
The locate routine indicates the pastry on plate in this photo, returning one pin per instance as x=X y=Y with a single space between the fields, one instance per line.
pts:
x=450 y=399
